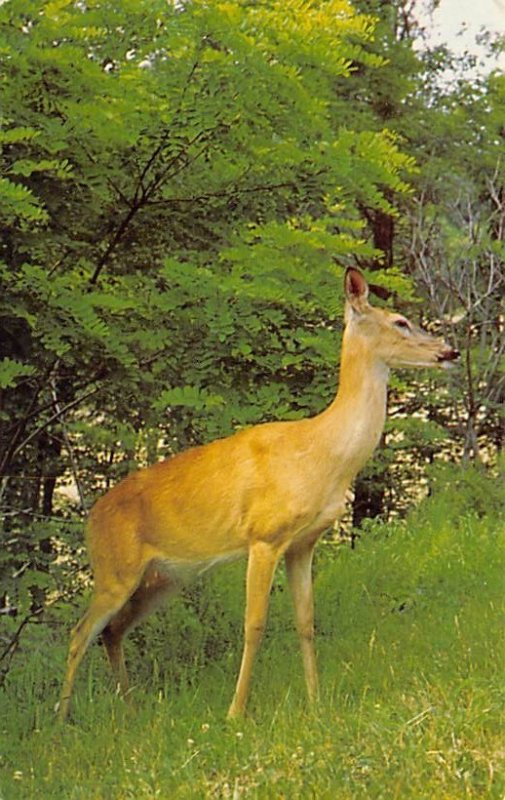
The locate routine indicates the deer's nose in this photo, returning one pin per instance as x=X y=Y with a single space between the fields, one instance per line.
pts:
x=449 y=354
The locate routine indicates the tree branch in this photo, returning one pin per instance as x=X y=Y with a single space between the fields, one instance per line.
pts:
x=268 y=187
x=52 y=418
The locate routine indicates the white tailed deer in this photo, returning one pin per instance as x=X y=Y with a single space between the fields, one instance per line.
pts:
x=266 y=492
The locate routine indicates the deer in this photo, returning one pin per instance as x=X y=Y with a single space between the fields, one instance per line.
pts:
x=266 y=492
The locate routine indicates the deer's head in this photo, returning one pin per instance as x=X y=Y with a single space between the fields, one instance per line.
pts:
x=390 y=337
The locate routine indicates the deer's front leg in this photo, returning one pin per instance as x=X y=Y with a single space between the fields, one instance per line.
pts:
x=263 y=559
x=299 y=569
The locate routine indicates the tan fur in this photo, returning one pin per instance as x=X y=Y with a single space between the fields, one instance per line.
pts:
x=266 y=492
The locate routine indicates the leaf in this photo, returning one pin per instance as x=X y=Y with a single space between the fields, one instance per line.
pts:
x=11 y=371
x=18 y=201
x=18 y=134
x=189 y=397
x=27 y=167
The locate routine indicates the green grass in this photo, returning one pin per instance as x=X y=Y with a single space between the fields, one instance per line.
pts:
x=411 y=647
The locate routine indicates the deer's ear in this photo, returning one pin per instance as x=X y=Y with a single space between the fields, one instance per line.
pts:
x=356 y=289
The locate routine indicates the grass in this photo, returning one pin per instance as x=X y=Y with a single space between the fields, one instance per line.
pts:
x=411 y=647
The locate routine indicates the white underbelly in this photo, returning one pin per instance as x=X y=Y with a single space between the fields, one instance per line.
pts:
x=185 y=569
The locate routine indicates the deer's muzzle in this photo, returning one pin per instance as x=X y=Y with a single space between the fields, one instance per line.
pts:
x=449 y=354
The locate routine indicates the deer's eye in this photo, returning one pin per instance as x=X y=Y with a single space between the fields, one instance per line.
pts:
x=402 y=324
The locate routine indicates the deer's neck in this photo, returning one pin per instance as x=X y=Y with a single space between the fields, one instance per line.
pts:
x=353 y=423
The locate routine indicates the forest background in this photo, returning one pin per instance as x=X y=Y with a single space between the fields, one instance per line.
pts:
x=182 y=187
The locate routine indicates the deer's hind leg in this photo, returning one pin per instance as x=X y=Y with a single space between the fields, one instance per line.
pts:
x=105 y=604
x=154 y=587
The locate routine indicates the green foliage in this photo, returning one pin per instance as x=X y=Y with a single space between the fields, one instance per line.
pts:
x=473 y=490
x=11 y=371
x=142 y=131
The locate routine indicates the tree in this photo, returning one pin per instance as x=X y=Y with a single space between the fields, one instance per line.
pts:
x=457 y=227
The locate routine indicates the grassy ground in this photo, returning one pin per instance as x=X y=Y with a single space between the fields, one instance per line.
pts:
x=411 y=647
